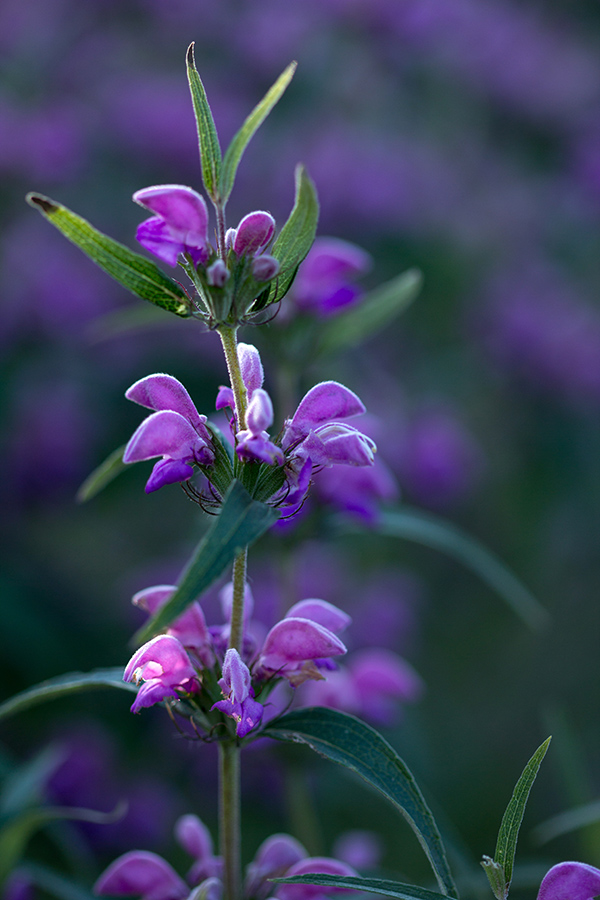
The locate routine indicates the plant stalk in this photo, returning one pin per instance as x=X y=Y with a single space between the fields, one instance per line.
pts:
x=229 y=819
x=229 y=342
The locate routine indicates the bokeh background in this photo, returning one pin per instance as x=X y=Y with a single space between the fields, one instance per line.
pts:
x=458 y=136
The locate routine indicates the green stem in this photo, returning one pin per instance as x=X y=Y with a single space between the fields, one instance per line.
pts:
x=229 y=341
x=236 y=635
x=229 y=819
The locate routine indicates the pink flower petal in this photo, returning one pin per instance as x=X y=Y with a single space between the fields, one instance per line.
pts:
x=160 y=391
x=322 y=612
x=570 y=881
x=158 y=238
x=141 y=873
x=164 y=433
x=294 y=640
x=254 y=232
x=324 y=402
x=180 y=206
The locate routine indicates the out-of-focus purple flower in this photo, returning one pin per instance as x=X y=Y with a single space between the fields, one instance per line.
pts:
x=141 y=874
x=180 y=223
x=164 y=668
x=195 y=838
x=238 y=702
x=358 y=491
x=570 y=881
x=18 y=886
x=177 y=432
x=189 y=628
x=272 y=860
x=321 y=864
x=361 y=849
x=438 y=460
x=324 y=283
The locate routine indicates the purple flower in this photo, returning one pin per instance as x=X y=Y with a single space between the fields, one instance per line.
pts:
x=272 y=860
x=194 y=836
x=180 y=223
x=189 y=628
x=320 y=864
x=144 y=874
x=358 y=491
x=570 y=881
x=252 y=234
x=176 y=431
x=164 y=668
x=294 y=645
x=361 y=849
x=253 y=442
x=323 y=284
x=238 y=702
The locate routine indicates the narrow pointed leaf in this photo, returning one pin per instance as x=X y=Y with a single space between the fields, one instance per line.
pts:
x=106 y=472
x=566 y=822
x=296 y=237
x=241 y=140
x=354 y=744
x=241 y=521
x=432 y=531
x=210 y=150
x=136 y=273
x=72 y=683
x=511 y=821
x=496 y=877
x=16 y=831
x=376 y=310
x=370 y=885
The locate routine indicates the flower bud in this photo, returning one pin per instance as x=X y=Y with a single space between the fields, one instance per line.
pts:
x=217 y=273
x=265 y=267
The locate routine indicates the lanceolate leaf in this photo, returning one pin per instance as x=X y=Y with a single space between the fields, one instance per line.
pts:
x=376 y=310
x=432 y=531
x=297 y=235
x=241 y=140
x=73 y=683
x=106 y=472
x=511 y=821
x=134 y=272
x=210 y=150
x=369 y=885
x=241 y=521
x=354 y=744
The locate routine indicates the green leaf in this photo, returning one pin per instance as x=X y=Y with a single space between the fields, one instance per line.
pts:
x=210 y=150
x=566 y=822
x=496 y=877
x=297 y=235
x=106 y=472
x=432 y=531
x=506 y=845
x=241 y=521
x=376 y=310
x=369 y=885
x=241 y=140
x=354 y=744
x=72 y=683
x=16 y=832
x=134 y=272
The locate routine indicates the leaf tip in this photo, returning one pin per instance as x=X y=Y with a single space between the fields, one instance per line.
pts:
x=189 y=56
x=38 y=201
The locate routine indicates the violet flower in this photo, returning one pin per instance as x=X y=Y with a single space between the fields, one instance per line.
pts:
x=180 y=223
x=253 y=442
x=274 y=857
x=323 y=284
x=570 y=881
x=189 y=628
x=176 y=431
x=238 y=702
x=195 y=838
x=142 y=874
x=164 y=668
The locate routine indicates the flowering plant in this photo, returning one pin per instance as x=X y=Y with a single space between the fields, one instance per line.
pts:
x=225 y=681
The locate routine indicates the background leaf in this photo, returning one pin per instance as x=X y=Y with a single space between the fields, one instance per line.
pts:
x=54 y=883
x=210 y=150
x=506 y=845
x=432 y=531
x=72 y=683
x=106 y=472
x=136 y=273
x=253 y=122
x=241 y=521
x=355 y=745
x=376 y=310
x=369 y=885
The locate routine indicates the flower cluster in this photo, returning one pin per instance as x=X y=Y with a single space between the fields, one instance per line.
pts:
x=146 y=875
x=315 y=437
x=226 y=282
x=193 y=661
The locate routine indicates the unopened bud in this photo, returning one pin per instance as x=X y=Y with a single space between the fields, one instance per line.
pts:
x=265 y=267
x=217 y=274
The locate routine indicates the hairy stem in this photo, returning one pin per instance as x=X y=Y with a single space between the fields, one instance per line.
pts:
x=236 y=635
x=229 y=819
x=229 y=341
